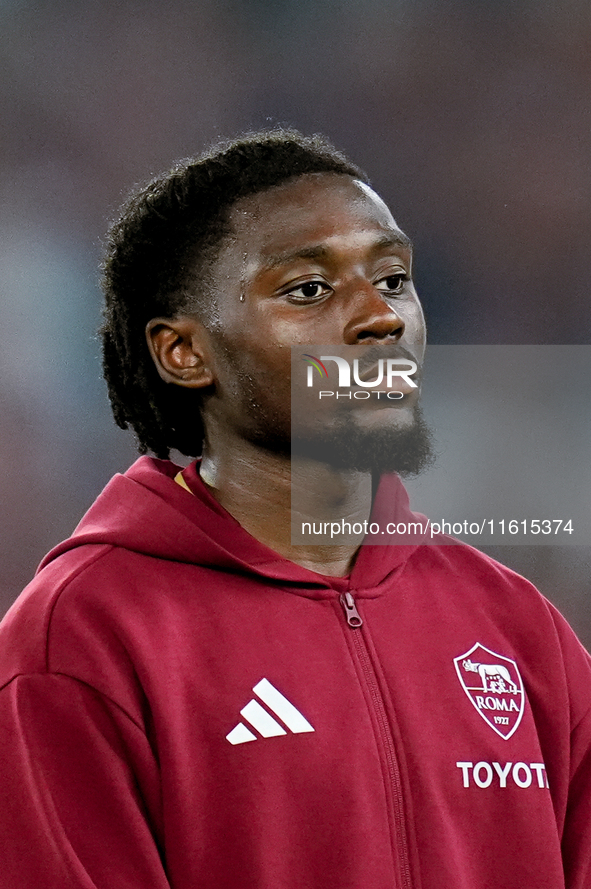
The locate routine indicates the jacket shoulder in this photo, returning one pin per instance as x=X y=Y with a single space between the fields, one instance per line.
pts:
x=62 y=624
x=24 y=630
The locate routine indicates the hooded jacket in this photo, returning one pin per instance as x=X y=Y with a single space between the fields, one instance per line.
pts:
x=181 y=707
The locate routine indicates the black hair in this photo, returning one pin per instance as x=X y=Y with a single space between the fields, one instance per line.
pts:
x=158 y=252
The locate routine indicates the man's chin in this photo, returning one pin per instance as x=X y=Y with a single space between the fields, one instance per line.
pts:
x=407 y=450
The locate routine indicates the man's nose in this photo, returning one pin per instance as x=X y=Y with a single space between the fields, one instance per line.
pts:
x=372 y=319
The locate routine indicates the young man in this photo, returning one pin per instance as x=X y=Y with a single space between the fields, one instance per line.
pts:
x=188 y=699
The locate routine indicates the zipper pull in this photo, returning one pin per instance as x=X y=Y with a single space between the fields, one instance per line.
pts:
x=353 y=617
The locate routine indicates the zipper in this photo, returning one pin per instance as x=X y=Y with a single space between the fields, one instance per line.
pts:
x=355 y=621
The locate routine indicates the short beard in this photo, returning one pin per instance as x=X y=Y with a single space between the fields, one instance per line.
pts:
x=407 y=451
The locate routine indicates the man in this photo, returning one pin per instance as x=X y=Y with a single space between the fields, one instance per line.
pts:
x=189 y=698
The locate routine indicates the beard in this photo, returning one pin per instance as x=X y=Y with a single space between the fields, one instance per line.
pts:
x=407 y=450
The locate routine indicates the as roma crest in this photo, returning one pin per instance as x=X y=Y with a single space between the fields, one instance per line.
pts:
x=493 y=684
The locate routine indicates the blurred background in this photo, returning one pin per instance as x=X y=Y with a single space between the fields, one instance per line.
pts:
x=472 y=118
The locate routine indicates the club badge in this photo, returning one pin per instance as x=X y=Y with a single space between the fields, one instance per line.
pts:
x=493 y=684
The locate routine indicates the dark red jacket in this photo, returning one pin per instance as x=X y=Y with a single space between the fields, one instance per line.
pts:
x=181 y=707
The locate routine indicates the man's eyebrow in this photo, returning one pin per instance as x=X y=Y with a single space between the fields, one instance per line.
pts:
x=320 y=251
x=287 y=256
x=395 y=239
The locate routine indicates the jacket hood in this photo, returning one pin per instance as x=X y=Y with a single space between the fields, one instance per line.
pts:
x=146 y=511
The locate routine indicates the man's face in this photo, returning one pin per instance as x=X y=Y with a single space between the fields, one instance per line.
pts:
x=318 y=259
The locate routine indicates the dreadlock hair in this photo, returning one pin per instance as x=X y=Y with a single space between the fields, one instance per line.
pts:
x=158 y=254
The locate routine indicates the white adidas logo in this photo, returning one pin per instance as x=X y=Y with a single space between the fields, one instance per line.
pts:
x=261 y=720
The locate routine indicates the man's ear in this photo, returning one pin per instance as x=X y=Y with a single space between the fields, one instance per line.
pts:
x=180 y=350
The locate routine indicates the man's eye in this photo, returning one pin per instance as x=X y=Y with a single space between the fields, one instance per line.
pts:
x=392 y=283
x=309 y=291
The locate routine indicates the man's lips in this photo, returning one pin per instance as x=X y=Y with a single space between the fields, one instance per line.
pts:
x=369 y=369
x=405 y=368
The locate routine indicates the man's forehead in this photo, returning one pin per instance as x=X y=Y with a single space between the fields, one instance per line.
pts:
x=303 y=216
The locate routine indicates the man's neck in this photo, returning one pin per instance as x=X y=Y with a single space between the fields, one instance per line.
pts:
x=264 y=491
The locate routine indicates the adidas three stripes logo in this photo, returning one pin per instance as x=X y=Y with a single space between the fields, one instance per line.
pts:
x=261 y=719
